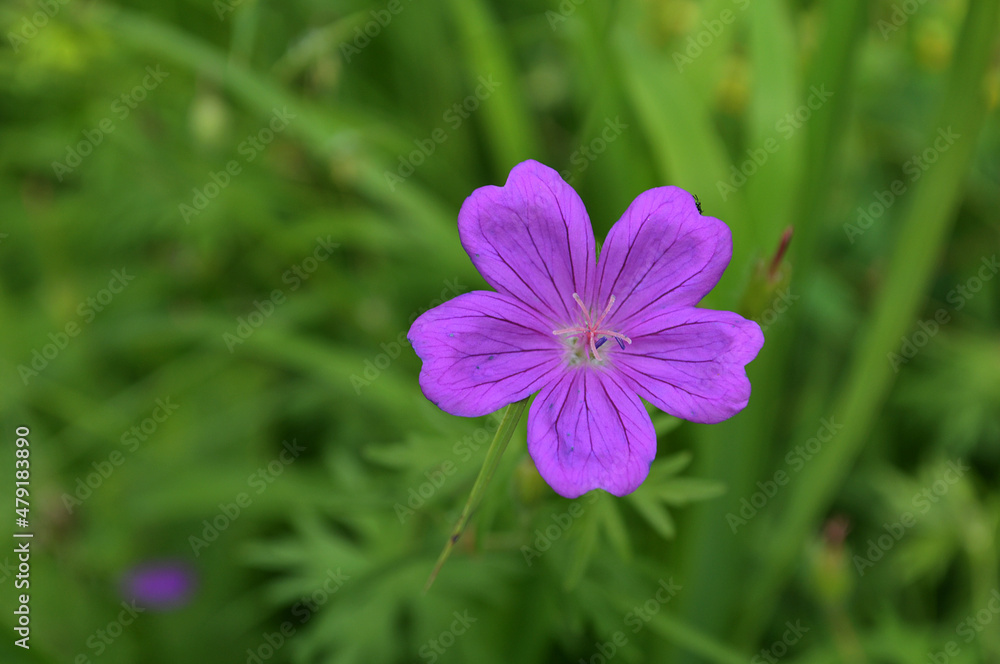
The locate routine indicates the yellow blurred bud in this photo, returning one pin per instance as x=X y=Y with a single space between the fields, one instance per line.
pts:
x=733 y=89
x=933 y=44
x=209 y=119
x=528 y=486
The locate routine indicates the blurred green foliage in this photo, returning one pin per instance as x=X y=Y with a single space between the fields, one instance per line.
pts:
x=238 y=207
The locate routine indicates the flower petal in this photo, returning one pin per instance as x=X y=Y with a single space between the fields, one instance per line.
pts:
x=532 y=239
x=661 y=254
x=483 y=350
x=691 y=362
x=587 y=431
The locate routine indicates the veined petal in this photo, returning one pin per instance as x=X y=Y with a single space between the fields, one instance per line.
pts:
x=532 y=239
x=661 y=254
x=691 y=362
x=587 y=431
x=483 y=350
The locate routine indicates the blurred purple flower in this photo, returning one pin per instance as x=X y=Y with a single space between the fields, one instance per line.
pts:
x=160 y=585
x=547 y=328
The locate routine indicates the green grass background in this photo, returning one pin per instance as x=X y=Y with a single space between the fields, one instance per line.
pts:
x=619 y=96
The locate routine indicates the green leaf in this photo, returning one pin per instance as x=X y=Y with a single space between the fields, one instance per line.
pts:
x=614 y=526
x=585 y=535
x=664 y=424
x=684 y=490
x=654 y=513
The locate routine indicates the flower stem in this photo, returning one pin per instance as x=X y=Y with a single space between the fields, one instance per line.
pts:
x=511 y=416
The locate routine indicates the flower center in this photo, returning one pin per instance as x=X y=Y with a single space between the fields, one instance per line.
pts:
x=591 y=335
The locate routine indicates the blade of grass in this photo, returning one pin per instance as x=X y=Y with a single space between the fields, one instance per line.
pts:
x=832 y=65
x=774 y=61
x=505 y=114
x=318 y=128
x=244 y=32
x=686 y=147
x=733 y=451
x=925 y=225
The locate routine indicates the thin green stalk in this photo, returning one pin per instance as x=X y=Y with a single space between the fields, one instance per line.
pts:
x=511 y=416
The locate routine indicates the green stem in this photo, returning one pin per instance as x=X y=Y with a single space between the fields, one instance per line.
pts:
x=511 y=416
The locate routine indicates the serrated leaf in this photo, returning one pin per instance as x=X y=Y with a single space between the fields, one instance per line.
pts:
x=654 y=513
x=665 y=468
x=584 y=551
x=614 y=527
x=395 y=455
x=684 y=490
x=664 y=423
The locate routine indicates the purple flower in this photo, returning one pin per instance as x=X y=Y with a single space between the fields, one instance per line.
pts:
x=159 y=585
x=590 y=337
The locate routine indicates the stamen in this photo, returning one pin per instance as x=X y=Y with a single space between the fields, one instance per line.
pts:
x=583 y=306
x=606 y=310
x=591 y=333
